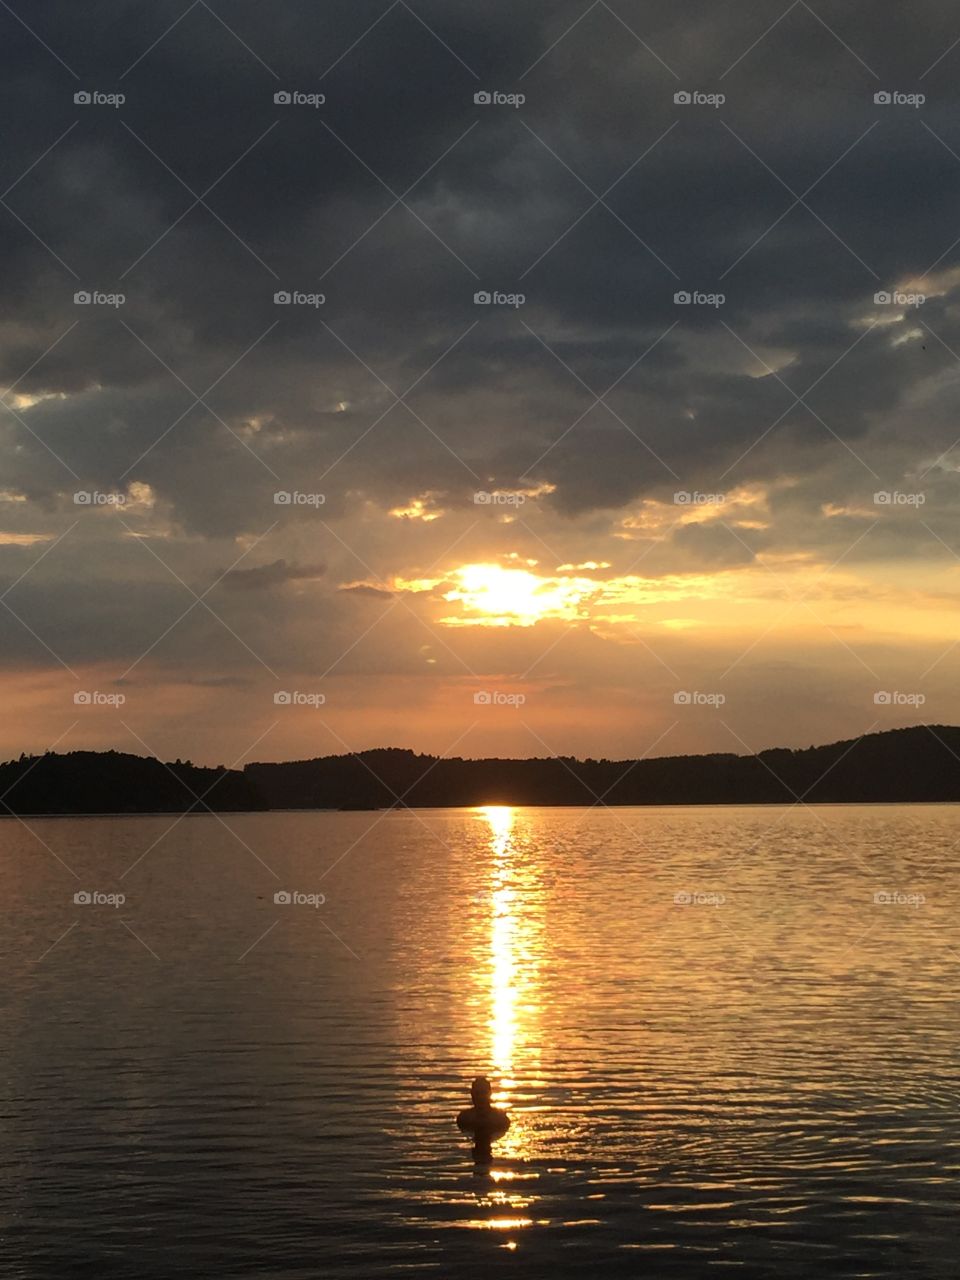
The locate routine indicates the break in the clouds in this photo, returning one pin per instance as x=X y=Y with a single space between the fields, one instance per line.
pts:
x=402 y=352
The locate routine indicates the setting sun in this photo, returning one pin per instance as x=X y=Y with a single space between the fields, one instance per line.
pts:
x=491 y=595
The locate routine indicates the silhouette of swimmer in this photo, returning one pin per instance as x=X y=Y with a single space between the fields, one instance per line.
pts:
x=483 y=1121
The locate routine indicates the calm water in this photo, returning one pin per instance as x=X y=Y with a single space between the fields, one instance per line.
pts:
x=760 y=1080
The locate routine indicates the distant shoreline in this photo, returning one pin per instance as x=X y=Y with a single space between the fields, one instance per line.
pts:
x=917 y=765
x=468 y=808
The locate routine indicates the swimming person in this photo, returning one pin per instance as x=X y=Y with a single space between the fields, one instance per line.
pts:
x=483 y=1120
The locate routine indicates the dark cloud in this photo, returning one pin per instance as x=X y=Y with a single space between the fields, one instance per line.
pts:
x=598 y=200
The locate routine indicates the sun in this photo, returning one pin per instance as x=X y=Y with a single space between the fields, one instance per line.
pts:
x=491 y=595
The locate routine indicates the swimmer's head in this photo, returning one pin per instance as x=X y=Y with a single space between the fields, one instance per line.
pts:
x=480 y=1091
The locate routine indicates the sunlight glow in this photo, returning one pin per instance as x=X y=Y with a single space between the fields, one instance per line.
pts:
x=491 y=595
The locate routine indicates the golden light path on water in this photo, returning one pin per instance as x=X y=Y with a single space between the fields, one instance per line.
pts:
x=515 y=957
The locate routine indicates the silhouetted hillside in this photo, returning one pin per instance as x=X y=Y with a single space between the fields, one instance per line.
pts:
x=917 y=764
x=111 y=782
x=921 y=763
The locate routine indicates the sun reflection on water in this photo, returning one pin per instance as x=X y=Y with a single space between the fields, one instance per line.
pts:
x=514 y=967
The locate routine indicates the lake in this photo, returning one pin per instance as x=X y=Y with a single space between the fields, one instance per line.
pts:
x=727 y=1038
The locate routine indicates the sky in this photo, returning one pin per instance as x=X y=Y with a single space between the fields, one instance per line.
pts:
x=543 y=379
